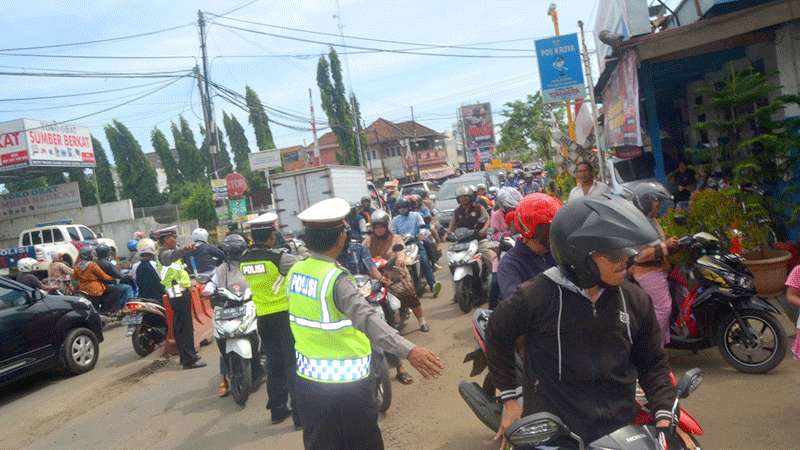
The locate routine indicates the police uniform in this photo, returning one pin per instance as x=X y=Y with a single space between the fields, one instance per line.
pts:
x=176 y=281
x=265 y=270
x=334 y=329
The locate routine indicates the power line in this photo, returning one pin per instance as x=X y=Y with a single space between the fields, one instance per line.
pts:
x=79 y=74
x=233 y=10
x=40 y=55
x=386 y=41
x=79 y=94
x=374 y=49
x=99 y=41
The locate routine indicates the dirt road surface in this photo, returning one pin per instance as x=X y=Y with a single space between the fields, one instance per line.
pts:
x=133 y=403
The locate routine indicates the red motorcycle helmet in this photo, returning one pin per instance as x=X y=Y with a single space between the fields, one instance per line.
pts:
x=534 y=214
x=413 y=201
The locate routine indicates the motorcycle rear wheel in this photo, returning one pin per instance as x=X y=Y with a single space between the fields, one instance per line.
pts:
x=240 y=378
x=383 y=384
x=770 y=338
x=143 y=345
x=464 y=294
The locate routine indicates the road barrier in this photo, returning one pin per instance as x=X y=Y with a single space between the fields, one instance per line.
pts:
x=202 y=321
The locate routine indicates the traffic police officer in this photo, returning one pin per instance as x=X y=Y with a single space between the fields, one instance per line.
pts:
x=177 y=282
x=265 y=268
x=333 y=327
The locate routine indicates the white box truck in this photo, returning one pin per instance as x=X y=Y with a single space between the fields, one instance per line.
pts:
x=295 y=191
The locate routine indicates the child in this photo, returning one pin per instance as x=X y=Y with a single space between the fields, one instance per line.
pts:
x=793 y=297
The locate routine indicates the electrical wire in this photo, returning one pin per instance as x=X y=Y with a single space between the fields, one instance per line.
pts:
x=39 y=55
x=79 y=94
x=85 y=74
x=99 y=41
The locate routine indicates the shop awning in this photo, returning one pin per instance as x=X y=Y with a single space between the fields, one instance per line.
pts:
x=437 y=173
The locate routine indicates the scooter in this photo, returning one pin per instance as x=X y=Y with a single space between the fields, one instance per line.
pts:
x=716 y=304
x=147 y=324
x=470 y=275
x=378 y=297
x=235 y=324
x=390 y=304
x=542 y=430
x=488 y=407
x=413 y=264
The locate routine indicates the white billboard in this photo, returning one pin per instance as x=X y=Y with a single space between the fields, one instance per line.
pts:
x=626 y=17
x=26 y=143
x=265 y=159
x=39 y=201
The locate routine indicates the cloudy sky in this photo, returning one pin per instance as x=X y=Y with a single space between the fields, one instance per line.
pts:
x=386 y=84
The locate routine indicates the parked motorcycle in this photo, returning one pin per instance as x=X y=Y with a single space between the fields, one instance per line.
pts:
x=718 y=305
x=413 y=264
x=147 y=324
x=378 y=297
x=488 y=407
x=470 y=275
x=235 y=324
x=536 y=431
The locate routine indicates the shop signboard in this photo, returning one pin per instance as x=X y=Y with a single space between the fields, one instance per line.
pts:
x=560 y=68
x=265 y=159
x=27 y=143
x=220 y=189
x=478 y=126
x=38 y=201
x=621 y=103
x=237 y=208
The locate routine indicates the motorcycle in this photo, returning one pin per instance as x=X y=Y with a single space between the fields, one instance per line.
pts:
x=541 y=430
x=488 y=407
x=379 y=298
x=426 y=236
x=470 y=275
x=717 y=305
x=390 y=304
x=413 y=264
x=147 y=324
x=235 y=324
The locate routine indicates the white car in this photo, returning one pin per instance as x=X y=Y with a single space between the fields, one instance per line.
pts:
x=58 y=237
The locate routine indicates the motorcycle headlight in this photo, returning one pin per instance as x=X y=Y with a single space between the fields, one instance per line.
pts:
x=473 y=247
x=745 y=282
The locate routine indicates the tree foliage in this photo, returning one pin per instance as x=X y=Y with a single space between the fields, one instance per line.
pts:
x=337 y=109
x=526 y=133
x=139 y=182
x=102 y=171
x=192 y=163
x=168 y=163
x=259 y=120
x=222 y=159
x=239 y=145
x=196 y=201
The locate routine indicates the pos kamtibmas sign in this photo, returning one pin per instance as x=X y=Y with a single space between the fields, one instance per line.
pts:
x=478 y=126
x=26 y=143
x=560 y=68
x=39 y=201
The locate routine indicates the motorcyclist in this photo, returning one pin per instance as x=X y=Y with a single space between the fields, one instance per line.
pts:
x=408 y=222
x=531 y=256
x=651 y=267
x=507 y=200
x=381 y=244
x=104 y=260
x=92 y=280
x=590 y=332
x=227 y=275
x=470 y=214
x=205 y=257
x=145 y=272
x=482 y=197
x=416 y=205
x=26 y=276
x=357 y=222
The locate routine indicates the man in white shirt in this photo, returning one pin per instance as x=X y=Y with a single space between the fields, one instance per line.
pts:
x=587 y=186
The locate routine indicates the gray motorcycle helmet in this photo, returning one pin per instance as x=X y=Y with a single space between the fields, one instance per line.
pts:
x=647 y=193
x=87 y=253
x=588 y=225
x=234 y=247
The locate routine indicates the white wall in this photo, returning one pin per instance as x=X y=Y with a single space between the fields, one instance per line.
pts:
x=787 y=49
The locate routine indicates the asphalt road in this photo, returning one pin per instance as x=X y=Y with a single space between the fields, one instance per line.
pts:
x=128 y=402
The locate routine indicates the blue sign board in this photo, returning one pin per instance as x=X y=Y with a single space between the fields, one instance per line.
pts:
x=560 y=68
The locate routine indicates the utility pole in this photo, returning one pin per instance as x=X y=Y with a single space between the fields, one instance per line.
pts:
x=212 y=137
x=570 y=121
x=587 y=67
x=414 y=126
x=314 y=128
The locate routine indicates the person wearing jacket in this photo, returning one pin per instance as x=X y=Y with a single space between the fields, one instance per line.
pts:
x=588 y=333
x=145 y=272
x=103 y=260
x=205 y=257
x=92 y=280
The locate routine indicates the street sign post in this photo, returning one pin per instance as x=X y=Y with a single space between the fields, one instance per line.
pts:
x=560 y=68
x=265 y=159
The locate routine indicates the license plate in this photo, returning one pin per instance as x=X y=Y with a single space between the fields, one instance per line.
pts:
x=229 y=313
x=131 y=329
x=132 y=319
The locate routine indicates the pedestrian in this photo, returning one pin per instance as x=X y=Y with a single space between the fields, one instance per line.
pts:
x=586 y=186
x=685 y=181
x=205 y=257
x=176 y=282
x=793 y=297
x=265 y=266
x=333 y=328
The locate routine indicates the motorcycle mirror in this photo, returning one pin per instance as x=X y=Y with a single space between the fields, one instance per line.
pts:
x=689 y=382
x=397 y=248
x=535 y=430
x=679 y=220
x=202 y=278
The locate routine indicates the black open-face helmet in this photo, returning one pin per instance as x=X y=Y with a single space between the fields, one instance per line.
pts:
x=234 y=247
x=647 y=193
x=605 y=225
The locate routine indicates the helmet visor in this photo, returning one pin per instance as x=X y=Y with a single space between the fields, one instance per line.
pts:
x=618 y=255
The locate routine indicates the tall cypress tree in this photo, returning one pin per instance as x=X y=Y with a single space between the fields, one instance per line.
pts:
x=334 y=102
x=102 y=171
x=85 y=186
x=168 y=163
x=239 y=145
x=192 y=164
x=139 y=182
x=259 y=120
x=222 y=159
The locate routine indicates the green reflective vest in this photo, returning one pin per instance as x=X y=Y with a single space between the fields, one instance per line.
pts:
x=259 y=266
x=327 y=346
x=174 y=273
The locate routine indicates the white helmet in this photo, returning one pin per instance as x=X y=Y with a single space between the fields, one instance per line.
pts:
x=146 y=247
x=26 y=264
x=200 y=235
x=509 y=197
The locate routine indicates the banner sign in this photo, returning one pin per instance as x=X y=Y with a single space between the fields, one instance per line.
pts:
x=236 y=185
x=621 y=103
x=265 y=159
x=42 y=200
x=560 y=68
x=478 y=126
x=220 y=189
x=25 y=143
x=237 y=208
